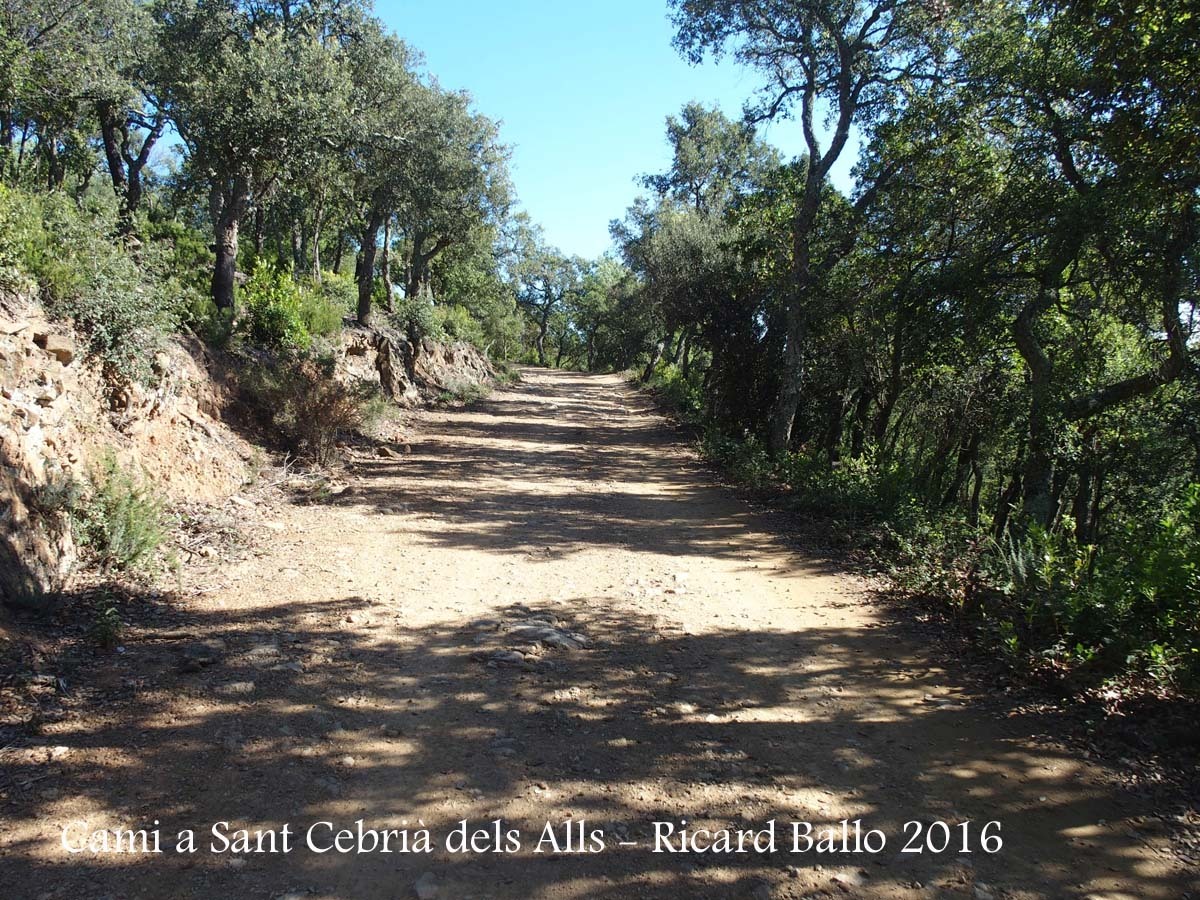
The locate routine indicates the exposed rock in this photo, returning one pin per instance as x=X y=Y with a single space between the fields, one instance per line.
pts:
x=60 y=347
x=543 y=632
x=507 y=658
x=10 y=328
x=236 y=688
x=57 y=422
x=409 y=375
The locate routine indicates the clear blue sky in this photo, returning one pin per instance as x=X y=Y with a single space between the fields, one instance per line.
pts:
x=582 y=89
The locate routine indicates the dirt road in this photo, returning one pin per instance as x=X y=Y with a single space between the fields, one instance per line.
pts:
x=548 y=611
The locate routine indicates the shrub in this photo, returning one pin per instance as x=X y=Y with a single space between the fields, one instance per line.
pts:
x=273 y=311
x=106 y=625
x=418 y=319
x=125 y=310
x=324 y=306
x=120 y=521
x=339 y=291
x=856 y=489
x=457 y=323
x=506 y=373
x=463 y=392
x=306 y=406
x=684 y=395
x=1149 y=585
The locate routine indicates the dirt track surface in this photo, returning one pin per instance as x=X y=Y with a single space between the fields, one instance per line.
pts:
x=365 y=666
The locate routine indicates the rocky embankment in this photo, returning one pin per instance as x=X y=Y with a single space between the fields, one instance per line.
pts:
x=411 y=373
x=59 y=417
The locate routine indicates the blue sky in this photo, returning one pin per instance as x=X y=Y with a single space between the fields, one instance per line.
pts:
x=582 y=89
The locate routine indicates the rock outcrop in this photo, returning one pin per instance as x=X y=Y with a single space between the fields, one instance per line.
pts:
x=411 y=375
x=58 y=418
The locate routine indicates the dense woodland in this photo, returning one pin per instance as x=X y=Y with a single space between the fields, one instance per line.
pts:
x=984 y=357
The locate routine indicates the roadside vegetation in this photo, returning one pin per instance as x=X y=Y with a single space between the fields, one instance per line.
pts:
x=982 y=360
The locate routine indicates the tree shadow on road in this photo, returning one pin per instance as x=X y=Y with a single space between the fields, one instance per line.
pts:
x=337 y=712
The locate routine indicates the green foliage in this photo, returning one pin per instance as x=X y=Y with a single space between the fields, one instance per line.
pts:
x=463 y=392
x=1131 y=607
x=1151 y=581
x=506 y=373
x=324 y=306
x=106 y=625
x=457 y=324
x=120 y=520
x=125 y=309
x=418 y=318
x=683 y=395
x=273 y=304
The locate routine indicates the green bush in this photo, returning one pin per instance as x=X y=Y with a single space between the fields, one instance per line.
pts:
x=119 y=520
x=324 y=306
x=855 y=489
x=21 y=234
x=185 y=252
x=463 y=392
x=272 y=304
x=684 y=395
x=123 y=308
x=1133 y=607
x=1149 y=587
x=106 y=625
x=457 y=323
x=418 y=319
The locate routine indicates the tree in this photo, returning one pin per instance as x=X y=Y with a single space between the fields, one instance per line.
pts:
x=1099 y=222
x=49 y=53
x=459 y=182
x=253 y=89
x=592 y=308
x=857 y=57
x=381 y=146
x=713 y=159
x=547 y=281
x=130 y=126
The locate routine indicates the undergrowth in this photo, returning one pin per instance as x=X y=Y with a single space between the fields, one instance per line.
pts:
x=1038 y=599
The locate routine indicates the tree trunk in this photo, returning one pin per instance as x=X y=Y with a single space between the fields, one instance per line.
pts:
x=298 y=254
x=318 y=220
x=116 y=166
x=228 y=205
x=340 y=253
x=657 y=355
x=787 y=402
x=858 y=430
x=685 y=364
x=365 y=271
x=891 y=394
x=591 y=350
x=1036 y=501
x=1007 y=501
x=259 y=235
x=968 y=454
x=543 y=327
x=385 y=266
x=225 y=269
x=976 y=492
